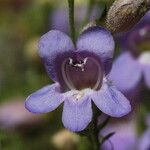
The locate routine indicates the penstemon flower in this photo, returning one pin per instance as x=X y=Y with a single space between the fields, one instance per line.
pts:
x=79 y=74
x=125 y=136
x=133 y=64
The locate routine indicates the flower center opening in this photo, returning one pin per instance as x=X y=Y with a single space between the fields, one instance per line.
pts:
x=82 y=73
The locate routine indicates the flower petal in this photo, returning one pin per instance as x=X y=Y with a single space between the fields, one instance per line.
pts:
x=51 y=45
x=125 y=136
x=144 y=60
x=111 y=102
x=143 y=143
x=77 y=115
x=44 y=100
x=98 y=41
x=126 y=72
x=146 y=70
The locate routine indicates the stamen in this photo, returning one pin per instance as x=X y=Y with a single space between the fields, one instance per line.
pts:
x=78 y=64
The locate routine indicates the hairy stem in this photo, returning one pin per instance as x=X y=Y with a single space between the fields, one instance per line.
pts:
x=71 y=19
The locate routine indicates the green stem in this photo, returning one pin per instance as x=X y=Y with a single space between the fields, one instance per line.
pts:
x=95 y=135
x=71 y=19
x=94 y=132
x=94 y=129
x=93 y=138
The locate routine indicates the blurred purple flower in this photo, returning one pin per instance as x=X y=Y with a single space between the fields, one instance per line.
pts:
x=131 y=66
x=13 y=115
x=80 y=76
x=125 y=136
x=59 y=17
x=59 y=20
x=148 y=120
x=144 y=141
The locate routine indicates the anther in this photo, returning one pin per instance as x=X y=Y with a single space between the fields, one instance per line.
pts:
x=78 y=64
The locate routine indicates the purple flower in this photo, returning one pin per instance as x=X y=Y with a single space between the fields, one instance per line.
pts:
x=59 y=17
x=13 y=115
x=144 y=141
x=131 y=66
x=148 y=120
x=125 y=137
x=59 y=20
x=79 y=74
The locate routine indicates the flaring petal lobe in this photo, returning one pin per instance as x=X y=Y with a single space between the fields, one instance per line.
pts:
x=44 y=100
x=51 y=45
x=77 y=115
x=144 y=61
x=98 y=41
x=111 y=101
x=126 y=73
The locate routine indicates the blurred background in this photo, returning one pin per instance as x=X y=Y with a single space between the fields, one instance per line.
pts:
x=22 y=22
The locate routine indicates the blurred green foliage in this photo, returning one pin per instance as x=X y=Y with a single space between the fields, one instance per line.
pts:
x=16 y=28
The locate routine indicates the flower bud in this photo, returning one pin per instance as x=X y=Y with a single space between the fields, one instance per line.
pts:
x=124 y=14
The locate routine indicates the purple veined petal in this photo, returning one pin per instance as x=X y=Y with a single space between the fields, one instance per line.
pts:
x=111 y=101
x=98 y=41
x=44 y=100
x=144 y=60
x=51 y=45
x=126 y=73
x=77 y=115
x=144 y=141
